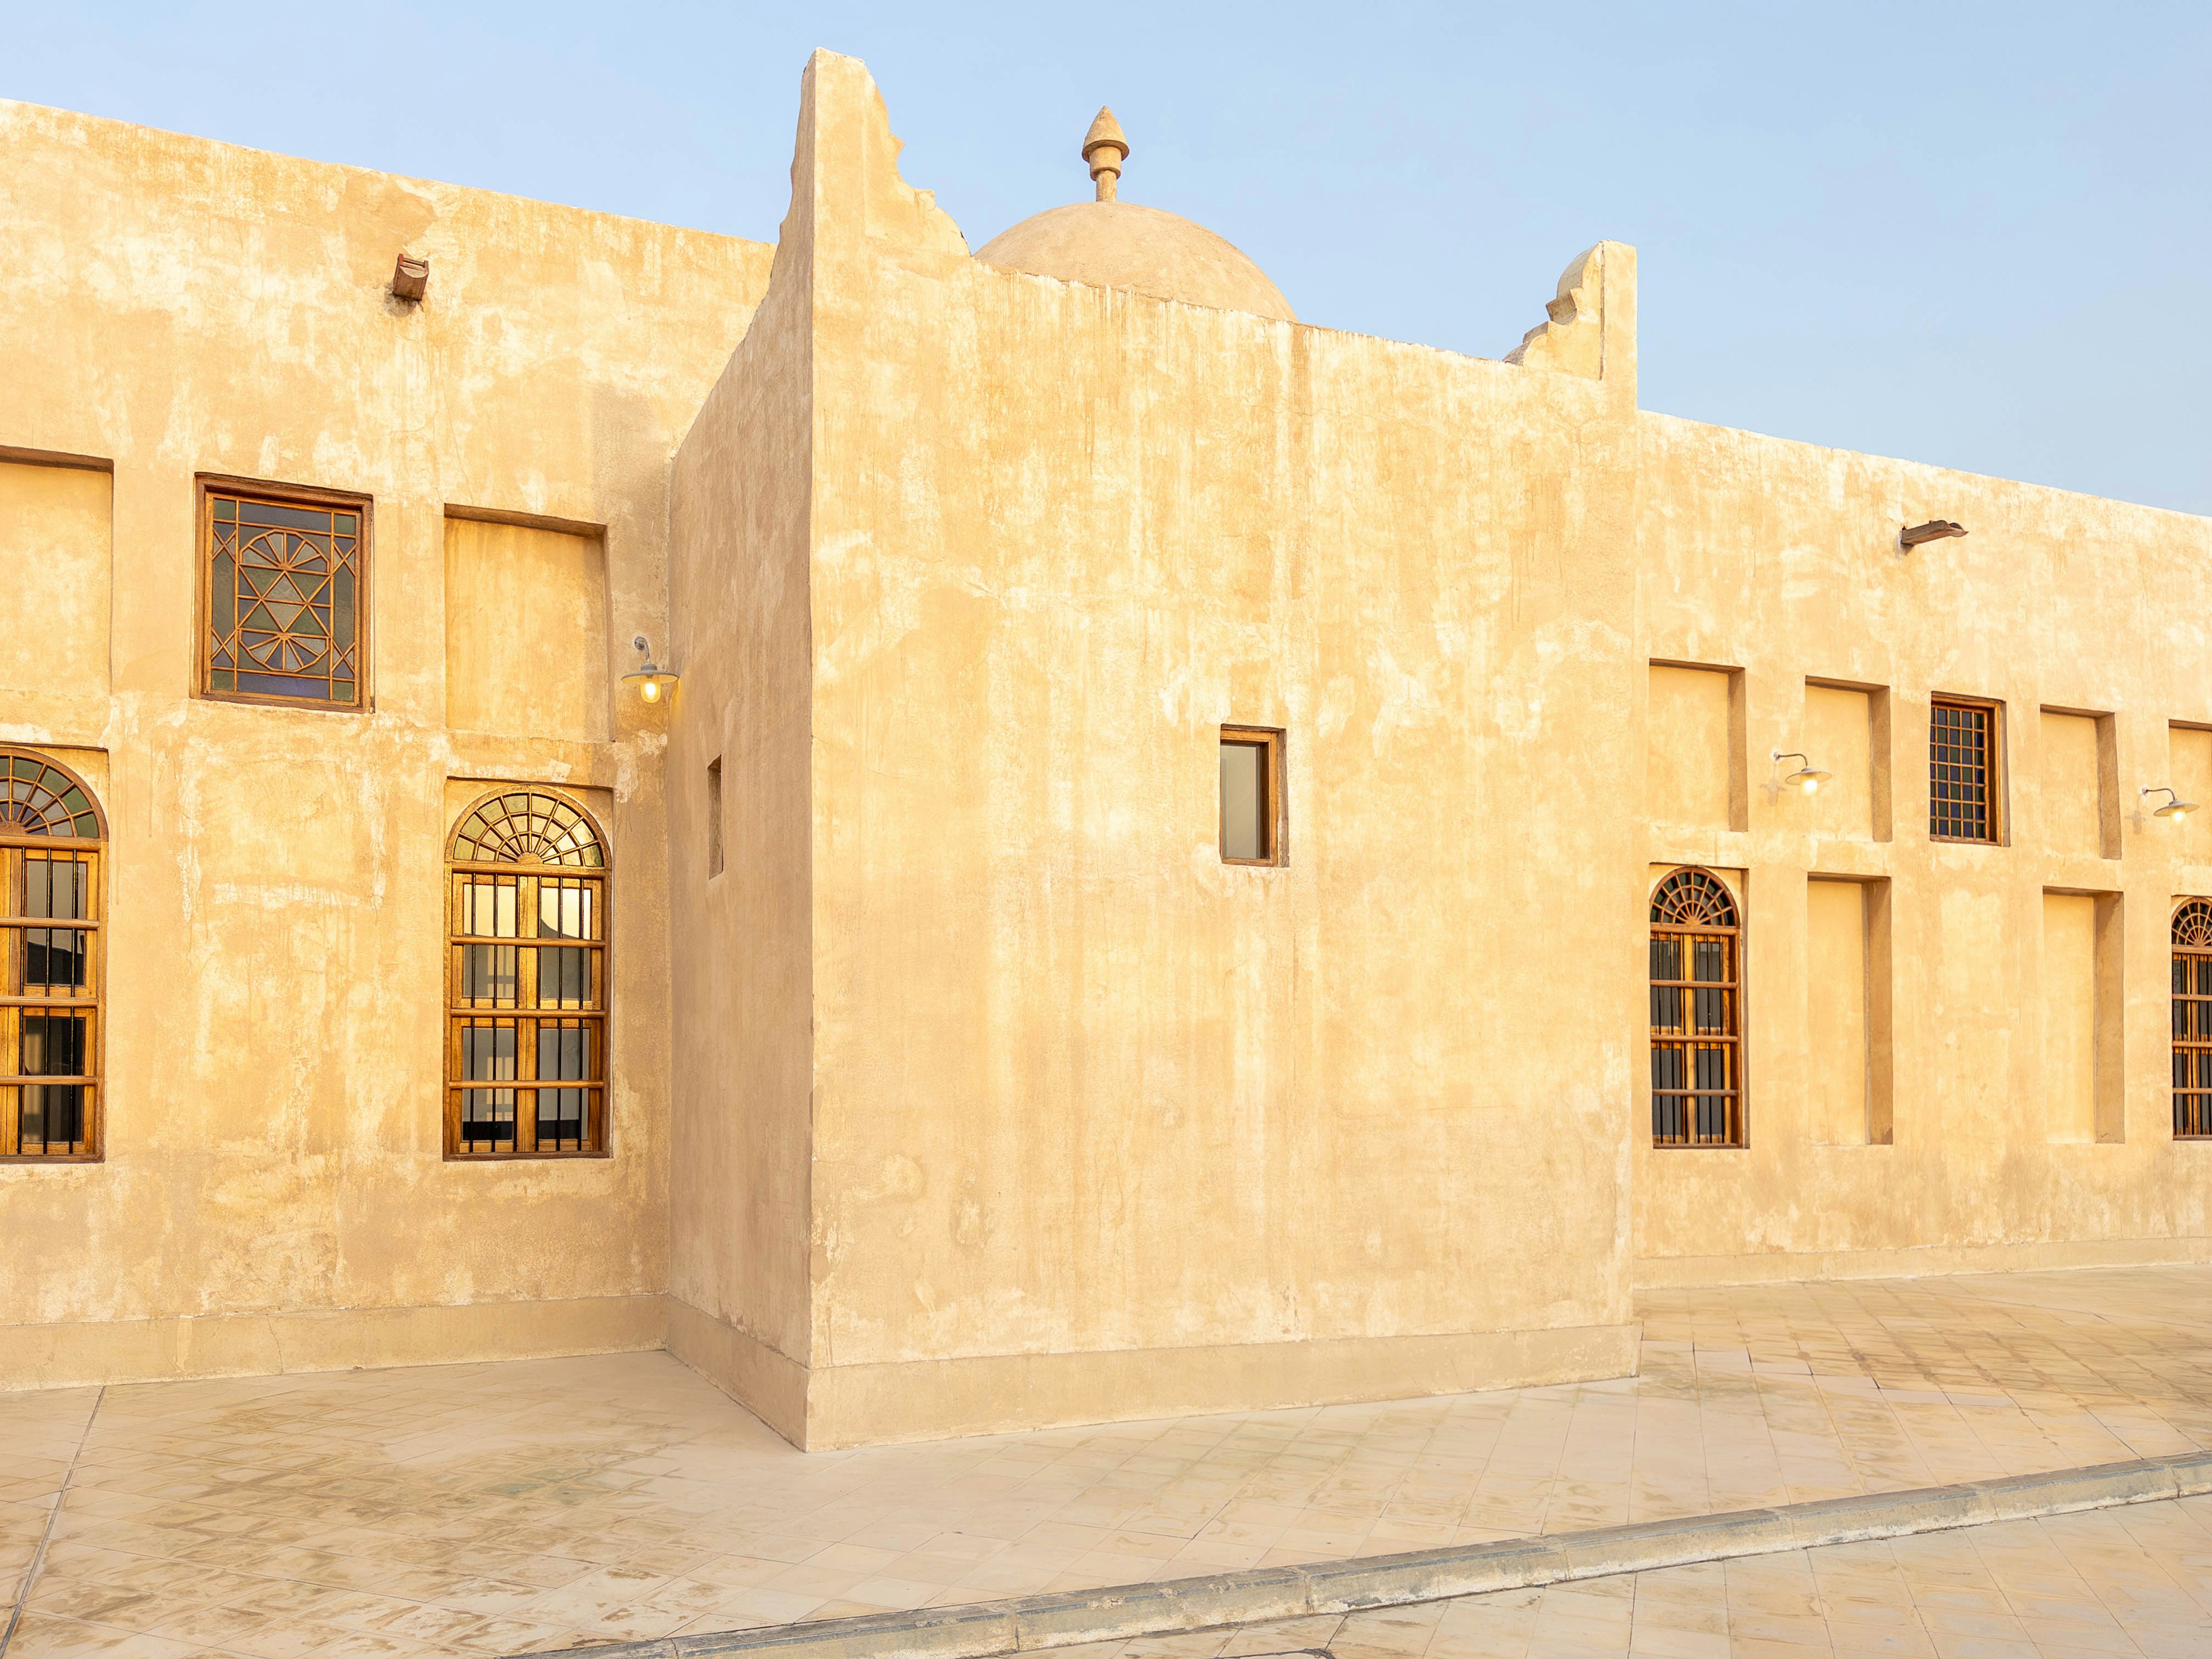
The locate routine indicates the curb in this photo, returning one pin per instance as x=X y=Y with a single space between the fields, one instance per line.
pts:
x=983 y=1630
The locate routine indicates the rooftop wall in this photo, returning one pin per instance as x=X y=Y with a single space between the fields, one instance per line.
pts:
x=1102 y=1127
x=274 y=1193
x=2021 y=1062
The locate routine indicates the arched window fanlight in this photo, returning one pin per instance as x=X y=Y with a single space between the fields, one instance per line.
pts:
x=527 y=979
x=2193 y=1020
x=1697 y=1046
x=52 y=896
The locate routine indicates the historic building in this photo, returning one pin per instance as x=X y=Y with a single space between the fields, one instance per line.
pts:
x=1178 y=859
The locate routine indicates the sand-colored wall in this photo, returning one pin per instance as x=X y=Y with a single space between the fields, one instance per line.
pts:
x=976 y=1090
x=2015 y=1009
x=274 y=1191
x=511 y=590
x=1102 y=1127
x=741 y=1008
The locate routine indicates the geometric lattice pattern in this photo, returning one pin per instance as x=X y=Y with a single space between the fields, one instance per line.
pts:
x=2192 y=1021
x=1958 y=779
x=525 y=980
x=1693 y=898
x=284 y=613
x=526 y=826
x=38 y=799
x=1697 y=1094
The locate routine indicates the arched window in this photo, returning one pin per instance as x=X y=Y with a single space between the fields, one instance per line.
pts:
x=527 y=979
x=50 y=964
x=2192 y=1021
x=1697 y=1013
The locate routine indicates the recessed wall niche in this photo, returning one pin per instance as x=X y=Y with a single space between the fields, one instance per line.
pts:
x=1694 y=770
x=2078 y=794
x=55 y=566
x=1846 y=730
x=1847 y=1012
x=526 y=631
x=2083 y=1073
x=2189 y=773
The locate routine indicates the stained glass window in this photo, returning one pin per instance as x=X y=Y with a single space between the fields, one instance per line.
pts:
x=1697 y=1015
x=526 y=967
x=284 y=593
x=50 y=840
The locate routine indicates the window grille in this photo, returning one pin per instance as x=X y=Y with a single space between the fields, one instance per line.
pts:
x=2192 y=1021
x=1962 y=772
x=285 y=598
x=50 y=961
x=526 y=980
x=1697 y=1047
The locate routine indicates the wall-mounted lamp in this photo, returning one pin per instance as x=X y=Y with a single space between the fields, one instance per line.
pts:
x=651 y=681
x=1935 y=529
x=1808 y=777
x=2175 y=807
x=410 y=279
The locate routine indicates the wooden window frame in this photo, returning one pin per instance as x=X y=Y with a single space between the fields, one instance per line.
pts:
x=463 y=1013
x=208 y=485
x=1275 y=811
x=1687 y=1035
x=715 y=850
x=14 y=999
x=2188 y=938
x=1994 y=824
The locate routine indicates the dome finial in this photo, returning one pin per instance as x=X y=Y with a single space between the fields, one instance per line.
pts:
x=1105 y=149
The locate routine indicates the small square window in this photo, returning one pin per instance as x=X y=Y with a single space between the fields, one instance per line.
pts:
x=1963 y=773
x=284 y=596
x=1252 y=795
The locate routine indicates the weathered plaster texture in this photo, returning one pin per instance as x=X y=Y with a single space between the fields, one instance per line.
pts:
x=1781 y=559
x=1080 y=1092
x=273 y=1149
x=975 y=1091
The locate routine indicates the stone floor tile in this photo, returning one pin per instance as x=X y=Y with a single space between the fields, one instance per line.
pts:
x=656 y=1494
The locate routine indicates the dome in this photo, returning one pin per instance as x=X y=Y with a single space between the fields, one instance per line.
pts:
x=1114 y=244
x=1121 y=245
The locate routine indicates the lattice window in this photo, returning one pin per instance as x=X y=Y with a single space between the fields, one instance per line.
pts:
x=51 y=967
x=1697 y=1046
x=527 y=979
x=2192 y=1021
x=1962 y=772
x=285 y=598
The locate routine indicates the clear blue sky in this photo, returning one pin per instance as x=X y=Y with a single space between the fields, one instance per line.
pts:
x=1973 y=235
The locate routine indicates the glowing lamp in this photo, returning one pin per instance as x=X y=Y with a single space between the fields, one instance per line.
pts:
x=1808 y=777
x=650 y=679
x=2175 y=807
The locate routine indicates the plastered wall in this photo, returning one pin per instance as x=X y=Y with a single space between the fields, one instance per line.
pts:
x=975 y=1092
x=274 y=1193
x=740 y=1302
x=1100 y=1127
x=2017 y=1029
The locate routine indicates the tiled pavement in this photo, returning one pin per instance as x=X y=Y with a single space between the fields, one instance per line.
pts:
x=494 y=1509
x=2135 y=1581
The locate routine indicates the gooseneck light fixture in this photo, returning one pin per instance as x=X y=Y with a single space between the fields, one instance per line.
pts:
x=1808 y=777
x=650 y=680
x=2175 y=807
